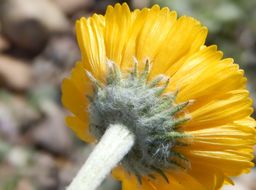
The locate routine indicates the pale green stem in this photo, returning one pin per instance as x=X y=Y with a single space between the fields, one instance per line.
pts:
x=112 y=147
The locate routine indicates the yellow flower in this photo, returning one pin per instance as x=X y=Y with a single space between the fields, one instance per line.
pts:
x=220 y=131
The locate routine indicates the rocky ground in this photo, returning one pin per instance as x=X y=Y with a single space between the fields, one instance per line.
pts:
x=37 y=50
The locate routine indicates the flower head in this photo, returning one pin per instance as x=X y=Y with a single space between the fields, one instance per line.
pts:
x=187 y=107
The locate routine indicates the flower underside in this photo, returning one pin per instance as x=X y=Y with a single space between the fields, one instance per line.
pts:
x=152 y=116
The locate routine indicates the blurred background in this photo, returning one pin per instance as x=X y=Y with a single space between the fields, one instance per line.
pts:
x=38 y=48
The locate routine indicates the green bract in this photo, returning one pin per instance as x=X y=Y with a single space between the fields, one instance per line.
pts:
x=141 y=106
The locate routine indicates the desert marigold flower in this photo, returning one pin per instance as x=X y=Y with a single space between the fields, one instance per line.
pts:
x=187 y=107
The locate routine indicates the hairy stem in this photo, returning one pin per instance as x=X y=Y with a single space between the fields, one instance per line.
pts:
x=113 y=146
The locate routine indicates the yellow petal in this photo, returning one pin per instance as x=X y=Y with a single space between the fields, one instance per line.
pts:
x=91 y=42
x=80 y=128
x=156 y=21
x=231 y=164
x=185 y=38
x=233 y=105
x=118 y=27
x=74 y=100
x=128 y=181
x=144 y=41
x=210 y=177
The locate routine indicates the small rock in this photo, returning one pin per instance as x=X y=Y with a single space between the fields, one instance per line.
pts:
x=62 y=51
x=45 y=72
x=14 y=73
x=22 y=112
x=4 y=44
x=51 y=134
x=24 y=184
x=17 y=116
x=44 y=172
x=69 y=169
x=29 y=26
x=66 y=174
x=69 y=7
x=59 y=56
x=8 y=125
x=18 y=157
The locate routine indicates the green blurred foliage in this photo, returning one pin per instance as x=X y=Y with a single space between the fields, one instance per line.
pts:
x=11 y=183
